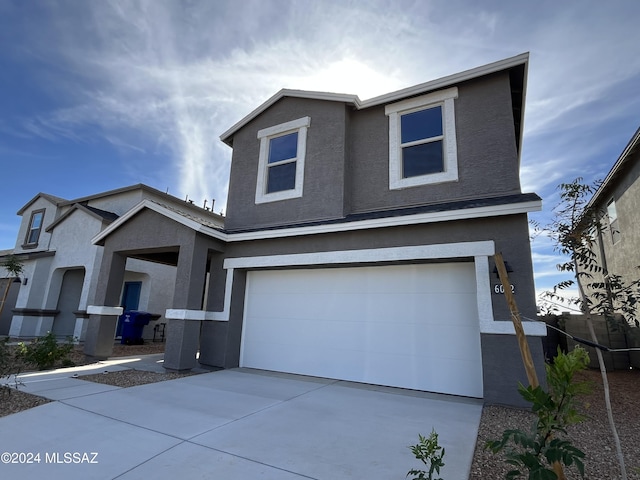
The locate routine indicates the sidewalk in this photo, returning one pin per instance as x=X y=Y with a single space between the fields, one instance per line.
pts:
x=63 y=383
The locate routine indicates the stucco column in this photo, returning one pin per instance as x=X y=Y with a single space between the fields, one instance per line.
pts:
x=213 y=335
x=183 y=335
x=102 y=324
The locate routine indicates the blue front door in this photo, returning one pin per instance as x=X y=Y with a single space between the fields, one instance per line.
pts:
x=130 y=301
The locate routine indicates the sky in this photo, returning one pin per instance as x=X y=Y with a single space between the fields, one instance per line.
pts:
x=97 y=94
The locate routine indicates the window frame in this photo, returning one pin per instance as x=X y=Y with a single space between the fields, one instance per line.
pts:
x=300 y=125
x=27 y=243
x=614 y=224
x=444 y=99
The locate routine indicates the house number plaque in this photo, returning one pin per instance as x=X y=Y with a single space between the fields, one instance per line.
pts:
x=499 y=289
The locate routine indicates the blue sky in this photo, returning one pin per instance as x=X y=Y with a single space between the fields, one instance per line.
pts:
x=96 y=95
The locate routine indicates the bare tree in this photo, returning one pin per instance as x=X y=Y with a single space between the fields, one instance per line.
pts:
x=577 y=230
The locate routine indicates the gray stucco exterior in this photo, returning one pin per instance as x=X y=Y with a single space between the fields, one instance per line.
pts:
x=620 y=253
x=347 y=165
x=348 y=209
x=502 y=367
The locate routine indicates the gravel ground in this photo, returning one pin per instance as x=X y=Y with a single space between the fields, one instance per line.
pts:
x=132 y=378
x=592 y=436
x=14 y=401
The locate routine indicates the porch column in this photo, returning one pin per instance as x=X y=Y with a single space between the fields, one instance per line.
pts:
x=183 y=334
x=104 y=315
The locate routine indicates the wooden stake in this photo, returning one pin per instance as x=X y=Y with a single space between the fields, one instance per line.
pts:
x=532 y=376
x=529 y=367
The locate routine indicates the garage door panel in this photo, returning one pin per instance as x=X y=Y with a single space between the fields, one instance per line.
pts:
x=442 y=307
x=440 y=278
x=376 y=337
x=411 y=326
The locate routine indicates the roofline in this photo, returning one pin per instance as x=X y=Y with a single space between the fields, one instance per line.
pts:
x=285 y=92
x=444 y=82
x=530 y=205
x=140 y=186
x=57 y=201
x=156 y=207
x=116 y=191
x=620 y=162
x=65 y=215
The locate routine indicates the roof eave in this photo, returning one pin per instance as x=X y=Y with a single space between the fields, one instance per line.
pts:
x=50 y=198
x=227 y=137
x=633 y=144
x=444 y=82
x=67 y=214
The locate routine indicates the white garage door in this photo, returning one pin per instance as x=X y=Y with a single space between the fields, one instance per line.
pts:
x=410 y=326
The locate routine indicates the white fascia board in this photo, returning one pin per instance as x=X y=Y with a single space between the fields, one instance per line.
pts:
x=421 y=218
x=372 y=255
x=448 y=81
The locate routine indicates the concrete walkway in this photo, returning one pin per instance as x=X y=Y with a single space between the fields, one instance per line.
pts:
x=230 y=424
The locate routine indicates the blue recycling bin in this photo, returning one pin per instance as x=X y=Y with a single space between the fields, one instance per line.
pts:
x=133 y=323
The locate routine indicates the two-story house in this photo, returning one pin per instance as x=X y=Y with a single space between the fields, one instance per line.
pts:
x=358 y=241
x=617 y=201
x=61 y=265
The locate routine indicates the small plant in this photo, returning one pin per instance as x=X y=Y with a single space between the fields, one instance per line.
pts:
x=547 y=443
x=45 y=352
x=430 y=453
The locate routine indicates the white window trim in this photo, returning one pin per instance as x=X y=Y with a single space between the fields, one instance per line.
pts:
x=445 y=98
x=265 y=135
x=614 y=231
x=31 y=229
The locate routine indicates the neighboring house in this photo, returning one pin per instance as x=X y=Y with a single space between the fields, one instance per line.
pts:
x=358 y=242
x=8 y=296
x=61 y=265
x=617 y=201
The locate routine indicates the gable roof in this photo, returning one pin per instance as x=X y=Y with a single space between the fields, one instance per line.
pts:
x=199 y=224
x=94 y=212
x=57 y=201
x=518 y=88
x=625 y=157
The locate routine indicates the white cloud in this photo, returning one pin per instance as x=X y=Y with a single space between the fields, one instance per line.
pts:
x=167 y=77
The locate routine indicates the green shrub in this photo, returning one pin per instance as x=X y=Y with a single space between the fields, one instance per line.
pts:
x=533 y=453
x=45 y=352
x=430 y=453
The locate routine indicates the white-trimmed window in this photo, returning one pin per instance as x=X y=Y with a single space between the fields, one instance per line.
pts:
x=422 y=140
x=613 y=222
x=281 y=162
x=35 y=227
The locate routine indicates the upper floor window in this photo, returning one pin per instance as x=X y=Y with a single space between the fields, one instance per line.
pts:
x=422 y=140
x=35 y=227
x=281 y=161
x=613 y=222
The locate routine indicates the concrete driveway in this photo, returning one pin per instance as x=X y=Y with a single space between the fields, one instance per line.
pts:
x=233 y=424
